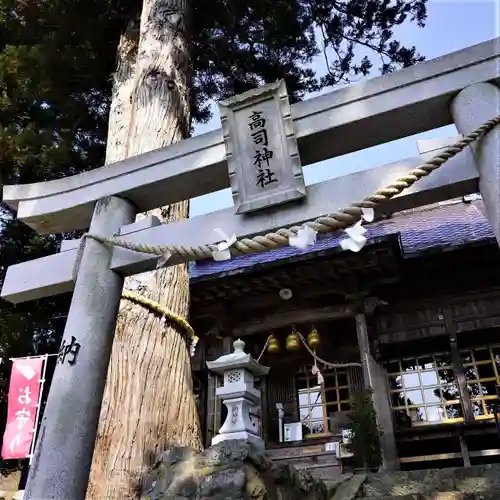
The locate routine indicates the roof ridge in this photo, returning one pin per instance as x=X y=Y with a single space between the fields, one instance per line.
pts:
x=475 y=198
x=449 y=224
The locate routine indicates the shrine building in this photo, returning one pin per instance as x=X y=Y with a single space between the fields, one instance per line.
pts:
x=422 y=300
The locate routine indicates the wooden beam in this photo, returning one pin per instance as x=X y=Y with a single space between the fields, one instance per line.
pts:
x=430 y=458
x=464 y=450
x=485 y=453
x=279 y=320
x=379 y=110
x=458 y=368
x=449 y=456
x=455 y=178
x=446 y=430
x=308 y=280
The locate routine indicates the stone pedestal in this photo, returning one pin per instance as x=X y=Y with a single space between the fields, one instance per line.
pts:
x=239 y=395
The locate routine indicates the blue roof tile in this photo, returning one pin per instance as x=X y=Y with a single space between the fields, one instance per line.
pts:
x=451 y=225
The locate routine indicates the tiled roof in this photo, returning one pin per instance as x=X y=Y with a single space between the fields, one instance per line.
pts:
x=445 y=225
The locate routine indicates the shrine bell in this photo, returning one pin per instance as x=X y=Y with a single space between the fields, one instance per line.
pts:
x=273 y=345
x=293 y=341
x=313 y=339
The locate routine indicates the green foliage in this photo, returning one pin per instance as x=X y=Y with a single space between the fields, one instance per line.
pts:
x=365 y=432
x=238 y=45
x=56 y=62
x=55 y=66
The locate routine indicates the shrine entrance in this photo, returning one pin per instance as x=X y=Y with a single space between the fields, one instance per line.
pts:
x=272 y=209
x=313 y=404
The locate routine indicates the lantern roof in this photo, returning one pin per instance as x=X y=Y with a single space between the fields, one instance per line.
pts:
x=237 y=359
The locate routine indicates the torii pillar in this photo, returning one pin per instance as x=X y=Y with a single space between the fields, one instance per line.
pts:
x=472 y=107
x=63 y=453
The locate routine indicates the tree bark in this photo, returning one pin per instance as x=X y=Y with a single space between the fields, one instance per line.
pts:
x=148 y=401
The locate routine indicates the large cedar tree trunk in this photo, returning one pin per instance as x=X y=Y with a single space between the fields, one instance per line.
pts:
x=148 y=401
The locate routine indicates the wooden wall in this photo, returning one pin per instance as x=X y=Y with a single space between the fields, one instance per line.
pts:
x=445 y=315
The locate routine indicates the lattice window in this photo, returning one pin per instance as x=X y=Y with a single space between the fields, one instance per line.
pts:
x=233 y=377
x=316 y=403
x=482 y=369
x=425 y=388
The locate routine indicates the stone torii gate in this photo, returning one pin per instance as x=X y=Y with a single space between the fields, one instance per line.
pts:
x=264 y=142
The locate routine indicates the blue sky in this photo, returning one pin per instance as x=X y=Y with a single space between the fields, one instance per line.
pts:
x=451 y=25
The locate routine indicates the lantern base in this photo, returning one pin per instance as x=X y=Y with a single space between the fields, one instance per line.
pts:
x=240 y=436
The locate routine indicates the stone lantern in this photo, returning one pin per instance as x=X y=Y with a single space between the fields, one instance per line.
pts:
x=238 y=394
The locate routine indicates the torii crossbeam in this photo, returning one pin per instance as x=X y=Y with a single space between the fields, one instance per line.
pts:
x=461 y=88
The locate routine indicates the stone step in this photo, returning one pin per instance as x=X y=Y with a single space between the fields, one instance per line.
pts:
x=321 y=471
x=332 y=484
x=349 y=490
